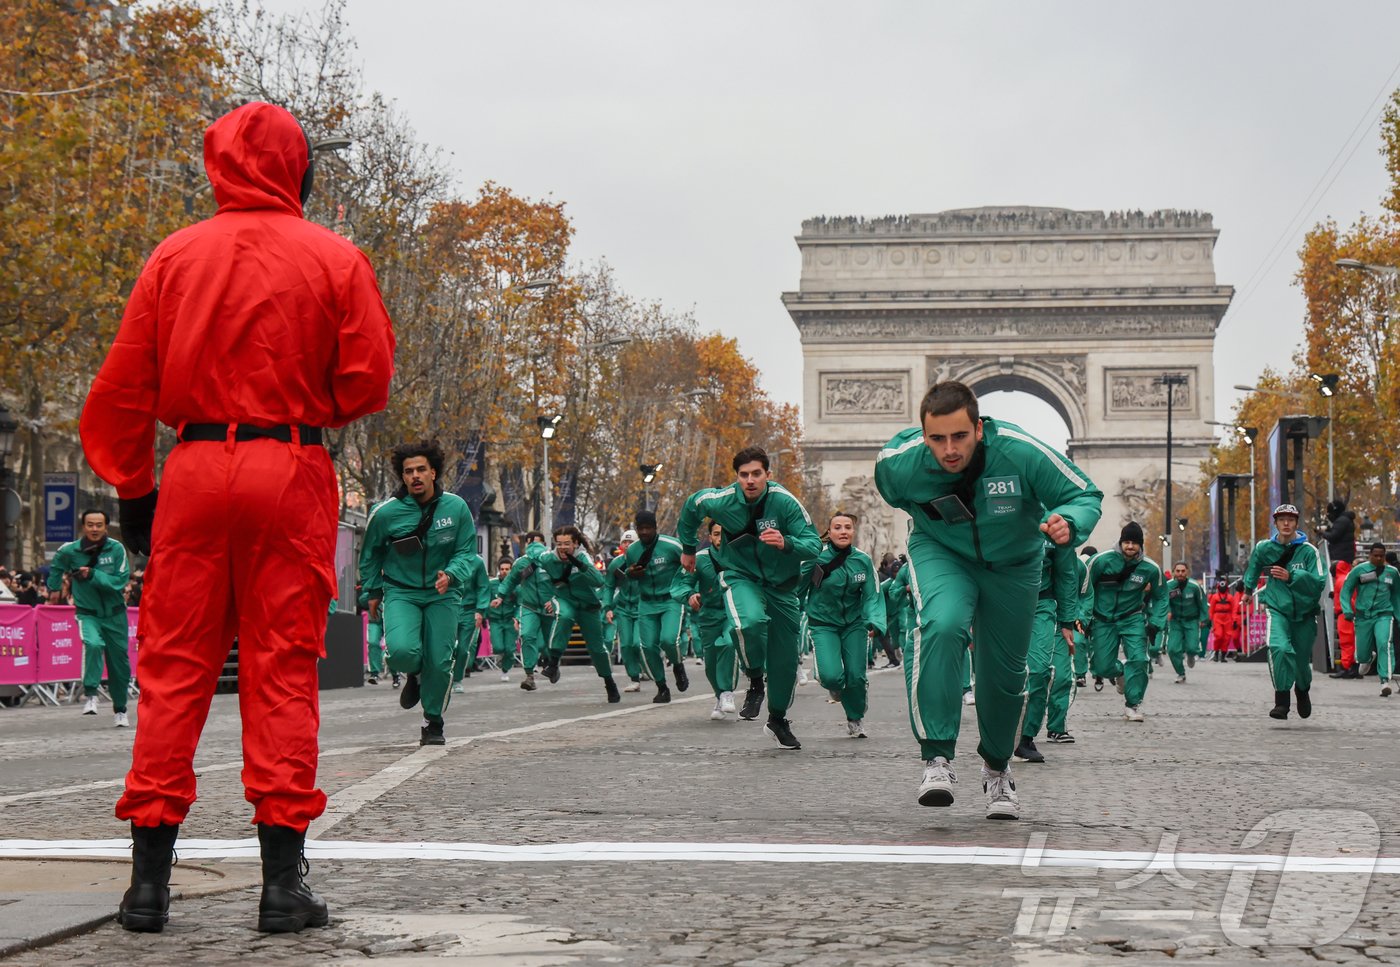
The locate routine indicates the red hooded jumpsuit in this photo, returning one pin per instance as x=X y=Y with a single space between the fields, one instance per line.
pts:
x=255 y=316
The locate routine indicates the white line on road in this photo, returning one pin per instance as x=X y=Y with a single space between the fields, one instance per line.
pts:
x=214 y=849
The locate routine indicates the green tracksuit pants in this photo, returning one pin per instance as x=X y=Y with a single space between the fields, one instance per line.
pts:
x=536 y=628
x=590 y=625
x=1129 y=634
x=765 y=623
x=376 y=647
x=967 y=669
x=629 y=648
x=1291 y=649
x=660 y=636
x=717 y=651
x=420 y=628
x=1049 y=684
x=956 y=601
x=1183 y=638
x=1372 y=643
x=1081 y=655
x=468 y=641
x=503 y=641
x=105 y=637
x=839 y=660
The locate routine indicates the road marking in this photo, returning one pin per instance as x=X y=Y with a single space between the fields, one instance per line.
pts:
x=588 y=852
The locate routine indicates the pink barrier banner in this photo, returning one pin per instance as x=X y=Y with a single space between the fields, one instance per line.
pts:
x=364 y=634
x=484 y=649
x=132 y=621
x=60 y=645
x=19 y=649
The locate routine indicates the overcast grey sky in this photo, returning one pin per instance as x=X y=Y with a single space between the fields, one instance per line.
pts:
x=690 y=140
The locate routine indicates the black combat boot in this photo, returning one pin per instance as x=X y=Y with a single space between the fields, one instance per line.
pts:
x=1280 y=709
x=287 y=904
x=146 y=905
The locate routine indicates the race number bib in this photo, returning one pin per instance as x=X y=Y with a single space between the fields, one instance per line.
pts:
x=1003 y=495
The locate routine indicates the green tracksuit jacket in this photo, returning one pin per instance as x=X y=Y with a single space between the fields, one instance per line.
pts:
x=576 y=585
x=449 y=545
x=653 y=583
x=849 y=595
x=1292 y=607
x=1120 y=608
x=751 y=559
x=1377 y=604
x=101 y=608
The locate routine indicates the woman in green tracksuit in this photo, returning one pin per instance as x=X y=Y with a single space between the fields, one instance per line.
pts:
x=700 y=591
x=622 y=596
x=99 y=570
x=414 y=564
x=501 y=619
x=1127 y=603
x=1377 y=587
x=844 y=610
x=1292 y=599
x=374 y=632
x=983 y=496
x=475 y=603
x=576 y=584
x=532 y=588
x=766 y=536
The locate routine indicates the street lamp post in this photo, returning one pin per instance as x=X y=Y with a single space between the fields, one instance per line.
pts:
x=8 y=426
x=1327 y=389
x=1250 y=434
x=648 y=472
x=1171 y=381
x=548 y=425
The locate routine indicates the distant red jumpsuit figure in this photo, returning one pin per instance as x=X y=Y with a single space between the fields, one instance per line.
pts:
x=1346 y=629
x=1224 y=620
x=248 y=333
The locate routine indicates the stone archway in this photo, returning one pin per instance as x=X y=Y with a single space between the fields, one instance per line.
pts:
x=1081 y=309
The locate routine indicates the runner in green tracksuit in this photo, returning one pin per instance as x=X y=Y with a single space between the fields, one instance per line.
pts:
x=844 y=609
x=894 y=595
x=414 y=564
x=700 y=591
x=1377 y=587
x=1292 y=599
x=471 y=617
x=532 y=588
x=1048 y=681
x=766 y=536
x=983 y=496
x=622 y=596
x=1127 y=604
x=374 y=634
x=1081 y=640
x=98 y=568
x=576 y=585
x=501 y=619
x=1188 y=615
x=651 y=564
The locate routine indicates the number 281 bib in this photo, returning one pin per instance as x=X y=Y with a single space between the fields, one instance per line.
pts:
x=1003 y=495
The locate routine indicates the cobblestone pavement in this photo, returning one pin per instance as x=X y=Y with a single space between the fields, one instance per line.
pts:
x=1197 y=779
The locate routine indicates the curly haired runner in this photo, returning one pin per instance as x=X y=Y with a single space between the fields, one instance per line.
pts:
x=415 y=563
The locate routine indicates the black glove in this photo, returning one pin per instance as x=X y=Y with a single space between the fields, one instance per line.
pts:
x=1238 y=585
x=136 y=517
x=1153 y=631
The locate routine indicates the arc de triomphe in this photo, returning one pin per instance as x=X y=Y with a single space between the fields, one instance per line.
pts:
x=1080 y=308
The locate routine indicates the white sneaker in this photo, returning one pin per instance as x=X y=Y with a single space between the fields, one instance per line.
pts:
x=1180 y=680
x=1386 y=688
x=936 y=789
x=1001 y=794
x=699 y=661
x=633 y=687
x=505 y=676
x=718 y=714
x=969 y=698
x=856 y=729
x=833 y=696
x=90 y=706
x=121 y=721
x=1133 y=713
x=458 y=690
x=802 y=678
x=726 y=702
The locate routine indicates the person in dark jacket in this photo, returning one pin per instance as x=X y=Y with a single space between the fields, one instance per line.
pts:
x=1340 y=533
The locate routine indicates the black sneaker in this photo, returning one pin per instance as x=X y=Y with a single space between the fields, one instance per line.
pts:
x=1304 y=702
x=1078 y=681
x=780 y=732
x=1098 y=683
x=753 y=702
x=1027 y=750
x=1063 y=738
x=682 y=679
x=397 y=679
x=551 y=670
x=1280 y=709
x=374 y=679
x=431 y=734
x=663 y=694
x=409 y=696
x=614 y=696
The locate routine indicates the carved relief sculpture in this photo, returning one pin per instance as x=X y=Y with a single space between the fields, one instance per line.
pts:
x=1132 y=391
x=865 y=394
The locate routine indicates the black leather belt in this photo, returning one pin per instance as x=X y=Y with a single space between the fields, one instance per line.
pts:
x=243 y=432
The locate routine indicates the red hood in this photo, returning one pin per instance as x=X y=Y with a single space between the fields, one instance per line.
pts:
x=255 y=157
